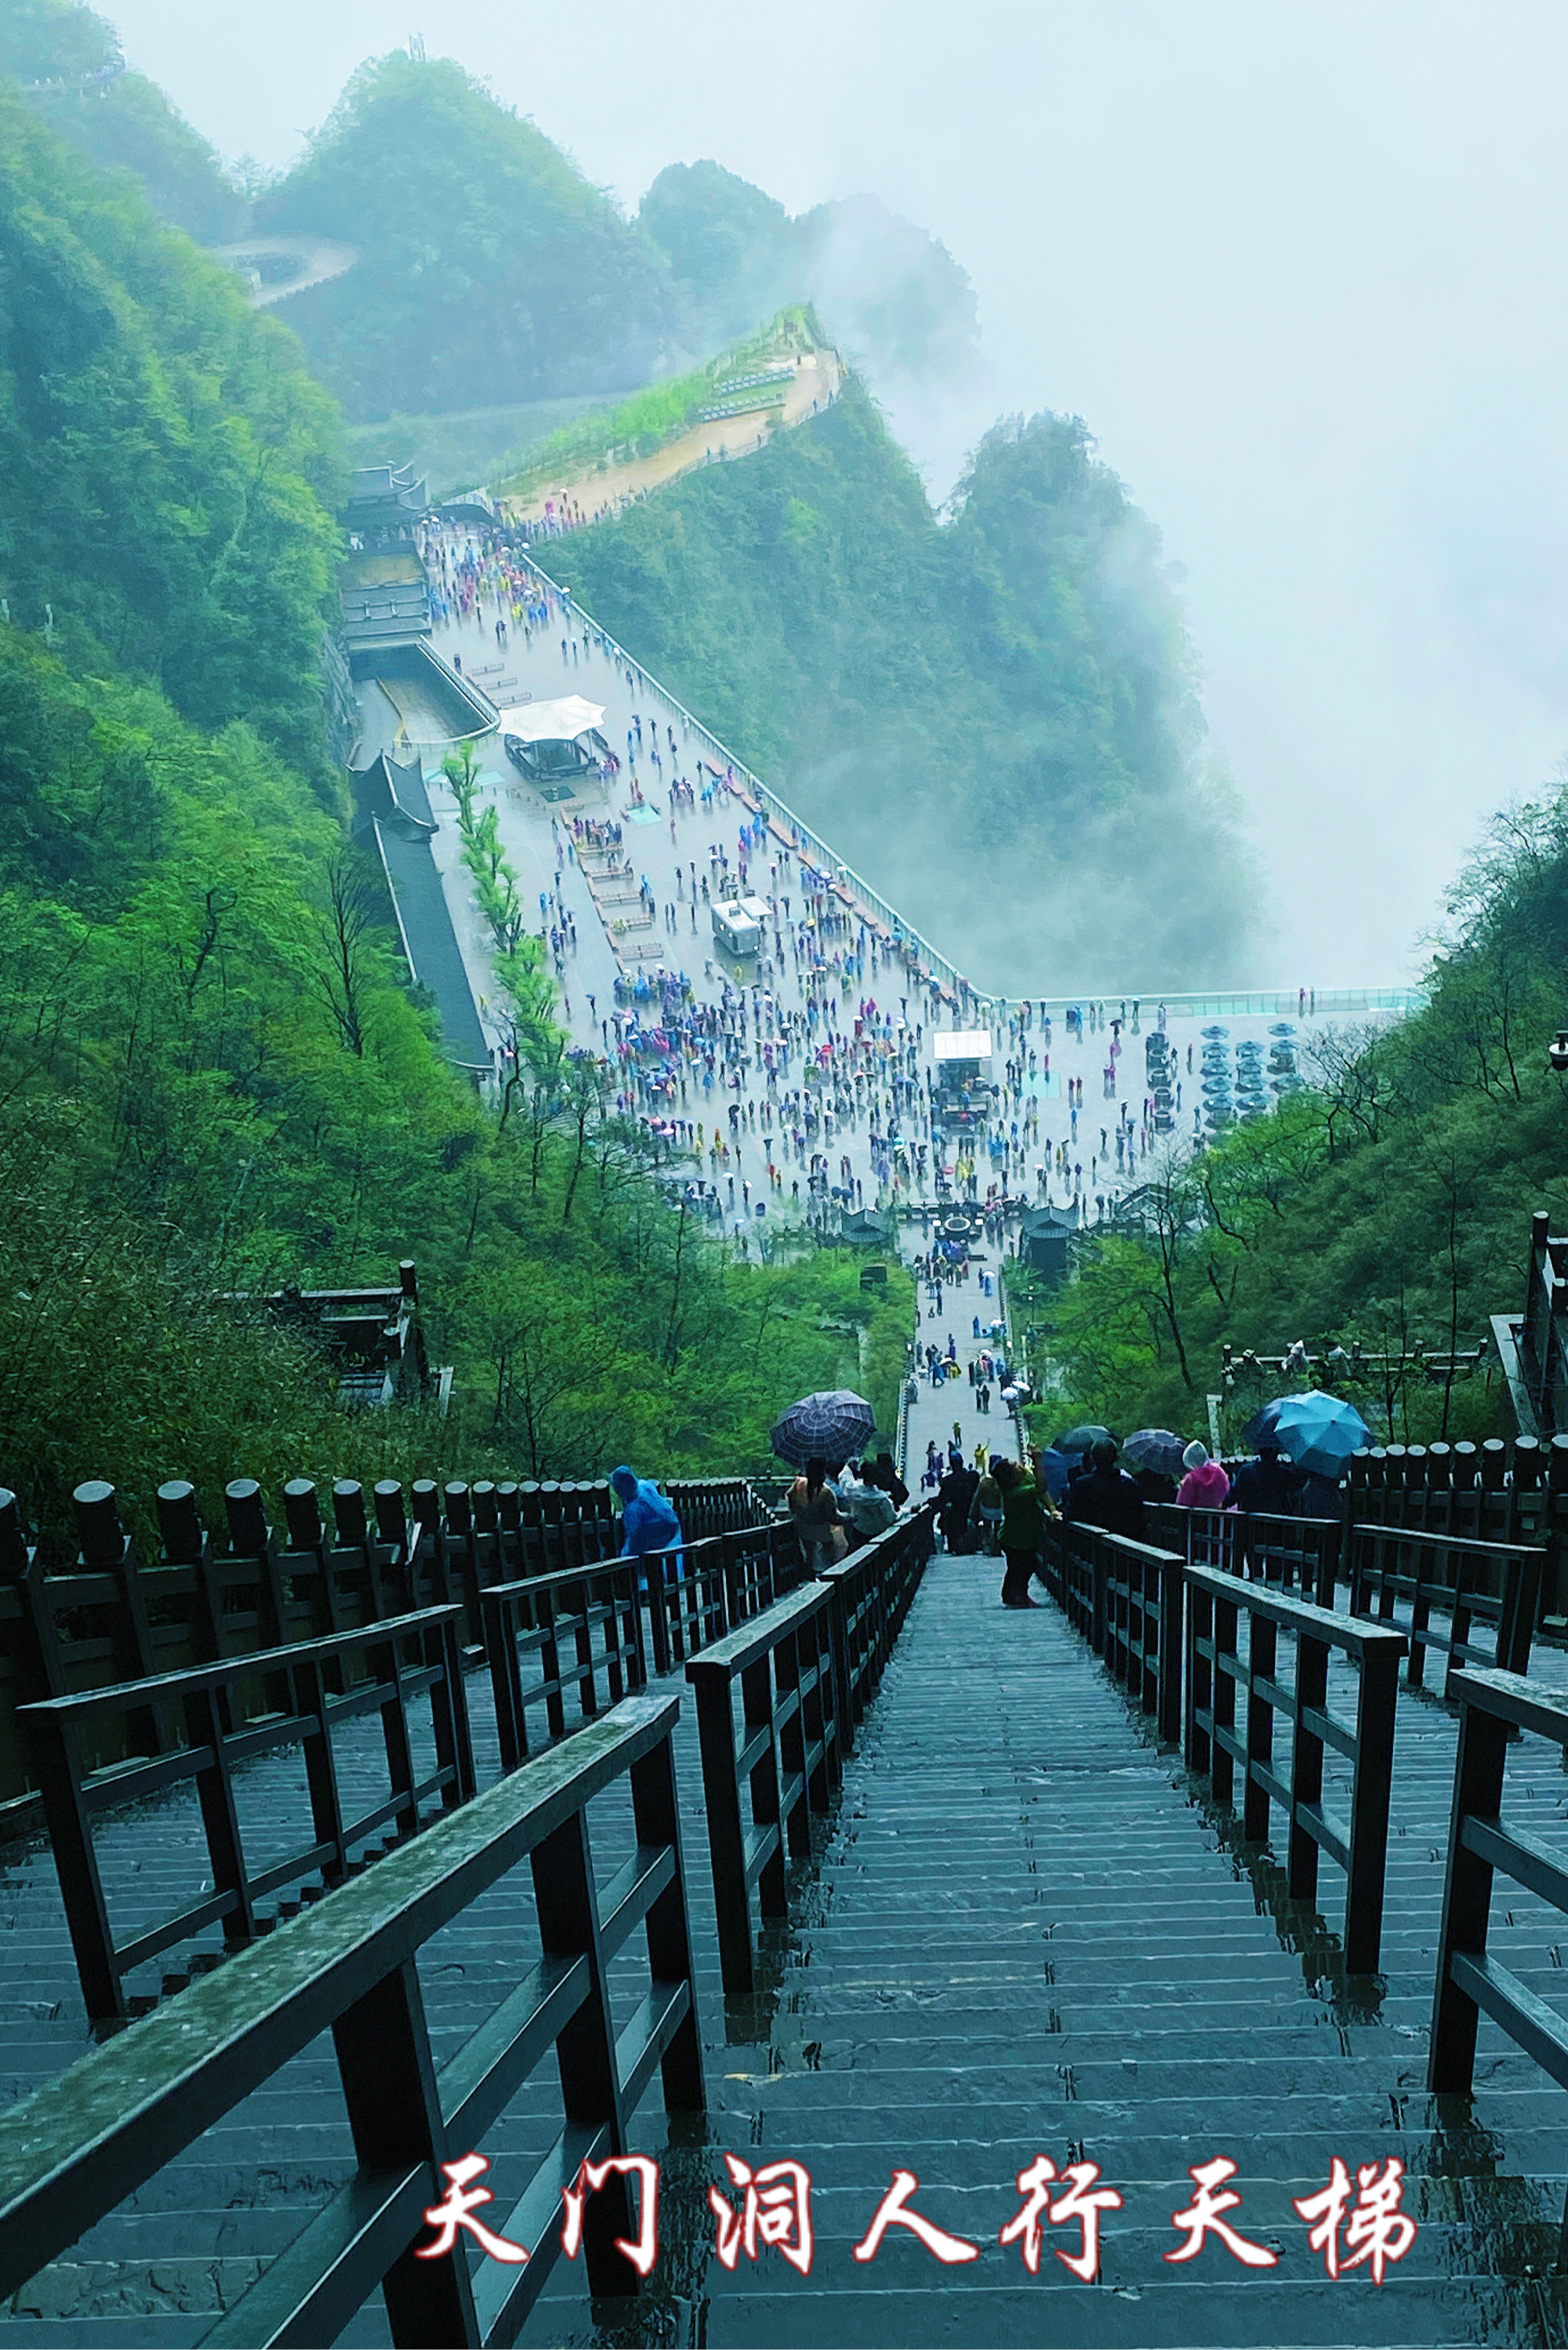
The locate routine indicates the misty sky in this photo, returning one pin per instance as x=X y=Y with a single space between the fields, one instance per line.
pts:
x=1300 y=270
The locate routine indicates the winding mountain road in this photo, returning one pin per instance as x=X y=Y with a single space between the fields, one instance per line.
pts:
x=319 y=258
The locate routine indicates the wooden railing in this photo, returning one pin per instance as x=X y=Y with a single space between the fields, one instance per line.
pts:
x=807 y=1667
x=1299 y=1555
x=1497 y=1585
x=572 y=1626
x=118 y=1616
x=83 y=2143
x=1494 y=1707
x=1532 y=1346
x=1168 y=1631
x=872 y=1590
x=209 y=1737
x=780 y=1763
x=1127 y=1598
x=1213 y=1746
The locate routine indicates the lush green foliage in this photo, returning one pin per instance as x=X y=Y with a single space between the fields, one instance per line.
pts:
x=476 y=447
x=889 y=292
x=993 y=719
x=487 y=258
x=213 y=1077
x=168 y=467
x=191 y=1101
x=122 y=119
x=1390 y=1204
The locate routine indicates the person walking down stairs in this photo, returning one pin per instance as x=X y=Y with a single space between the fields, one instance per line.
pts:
x=1026 y=1506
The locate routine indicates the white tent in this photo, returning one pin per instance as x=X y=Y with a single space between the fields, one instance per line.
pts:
x=552 y=722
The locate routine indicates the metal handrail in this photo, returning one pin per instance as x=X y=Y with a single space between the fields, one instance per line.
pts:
x=1237 y=1003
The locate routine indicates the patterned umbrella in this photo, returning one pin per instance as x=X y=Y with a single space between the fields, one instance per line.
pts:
x=833 y=1426
x=1155 y=1449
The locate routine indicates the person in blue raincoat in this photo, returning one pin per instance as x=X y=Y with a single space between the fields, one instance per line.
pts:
x=648 y=1520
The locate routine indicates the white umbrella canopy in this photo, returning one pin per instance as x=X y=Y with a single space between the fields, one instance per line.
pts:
x=552 y=722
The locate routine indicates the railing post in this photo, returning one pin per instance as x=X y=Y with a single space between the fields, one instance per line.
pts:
x=394 y=2111
x=1369 y=1810
x=106 y=1549
x=657 y=1564
x=726 y=1829
x=1521 y=1591
x=499 y=1619
x=1467 y=1900
x=186 y=1543
x=1222 y=1765
x=1171 y=1586
x=56 y=1766
x=1306 y=1765
x=1260 y=1654
x=656 y=1818
x=837 y=1579
x=1198 y=1680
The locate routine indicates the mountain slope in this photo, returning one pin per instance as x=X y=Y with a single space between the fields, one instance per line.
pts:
x=68 y=61
x=491 y=269
x=890 y=295
x=166 y=468
x=995 y=720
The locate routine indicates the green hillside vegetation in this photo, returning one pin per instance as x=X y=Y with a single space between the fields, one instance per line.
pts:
x=125 y=122
x=169 y=467
x=639 y=426
x=474 y=448
x=887 y=291
x=214 y=1076
x=1389 y=1203
x=488 y=262
x=994 y=719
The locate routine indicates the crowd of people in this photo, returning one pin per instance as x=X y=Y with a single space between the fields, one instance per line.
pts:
x=826 y=1042
x=994 y=1505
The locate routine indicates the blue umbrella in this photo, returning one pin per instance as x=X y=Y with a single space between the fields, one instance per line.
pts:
x=833 y=1425
x=1319 y=1432
x=1055 y=1469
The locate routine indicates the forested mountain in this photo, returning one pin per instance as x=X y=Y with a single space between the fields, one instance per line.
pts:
x=995 y=717
x=488 y=260
x=213 y=1076
x=1390 y=1203
x=68 y=59
x=891 y=295
x=168 y=468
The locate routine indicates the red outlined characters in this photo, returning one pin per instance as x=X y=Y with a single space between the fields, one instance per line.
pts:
x=590 y=2177
x=1083 y=2201
x=456 y=2209
x=776 y=2211
x=1377 y=2230
x=1202 y=2217
x=892 y=2212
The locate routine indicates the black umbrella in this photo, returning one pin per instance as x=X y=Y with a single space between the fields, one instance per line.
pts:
x=1261 y=1423
x=1078 y=1440
x=833 y=1426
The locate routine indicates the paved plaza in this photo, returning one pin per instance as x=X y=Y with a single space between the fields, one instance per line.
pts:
x=1055 y=1136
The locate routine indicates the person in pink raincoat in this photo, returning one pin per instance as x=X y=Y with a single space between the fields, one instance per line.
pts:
x=1205 y=1485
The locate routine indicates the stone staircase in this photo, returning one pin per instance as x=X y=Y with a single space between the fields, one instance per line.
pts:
x=1023 y=1931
